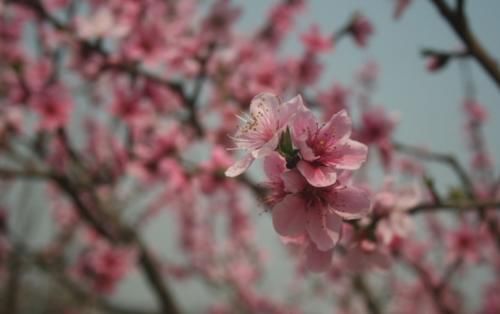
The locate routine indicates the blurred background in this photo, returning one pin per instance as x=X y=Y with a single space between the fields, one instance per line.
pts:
x=429 y=109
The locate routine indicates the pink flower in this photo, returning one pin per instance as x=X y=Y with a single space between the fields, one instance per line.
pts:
x=101 y=24
x=104 y=266
x=260 y=133
x=54 y=108
x=315 y=42
x=475 y=111
x=325 y=149
x=392 y=204
x=368 y=74
x=311 y=211
x=377 y=128
x=334 y=99
x=400 y=7
x=465 y=243
x=365 y=255
x=361 y=29
x=436 y=62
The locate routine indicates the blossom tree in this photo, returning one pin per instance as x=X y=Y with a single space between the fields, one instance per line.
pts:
x=119 y=115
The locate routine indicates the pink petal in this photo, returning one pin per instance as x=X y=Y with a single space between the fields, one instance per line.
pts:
x=337 y=129
x=303 y=124
x=294 y=182
x=350 y=202
x=323 y=228
x=316 y=260
x=289 y=108
x=349 y=155
x=264 y=103
x=274 y=166
x=267 y=148
x=319 y=176
x=240 y=166
x=306 y=152
x=289 y=216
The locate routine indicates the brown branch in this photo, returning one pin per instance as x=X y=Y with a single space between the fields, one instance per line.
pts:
x=451 y=161
x=124 y=234
x=13 y=284
x=434 y=290
x=458 y=22
x=447 y=159
x=115 y=234
x=78 y=292
x=370 y=301
x=428 y=207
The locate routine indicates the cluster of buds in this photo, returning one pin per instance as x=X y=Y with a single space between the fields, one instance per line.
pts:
x=308 y=166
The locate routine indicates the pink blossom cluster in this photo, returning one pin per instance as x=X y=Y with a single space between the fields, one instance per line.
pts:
x=308 y=165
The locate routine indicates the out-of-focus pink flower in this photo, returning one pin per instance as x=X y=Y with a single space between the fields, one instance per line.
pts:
x=53 y=106
x=104 y=266
x=260 y=133
x=334 y=100
x=377 y=129
x=368 y=74
x=377 y=125
x=219 y=22
x=464 y=243
x=475 y=111
x=400 y=6
x=146 y=43
x=392 y=204
x=129 y=106
x=101 y=24
x=436 y=62
x=11 y=119
x=316 y=42
x=491 y=299
x=361 y=29
x=365 y=255
x=325 y=149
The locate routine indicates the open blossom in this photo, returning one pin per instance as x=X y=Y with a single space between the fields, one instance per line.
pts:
x=260 y=133
x=325 y=149
x=315 y=213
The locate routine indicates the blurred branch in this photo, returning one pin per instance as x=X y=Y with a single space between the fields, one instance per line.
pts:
x=13 y=284
x=370 y=300
x=448 y=159
x=435 y=290
x=27 y=173
x=467 y=184
x=79 y=293
x=124 y=234
x=427 y=52
x=427 y=207
x=458 y=22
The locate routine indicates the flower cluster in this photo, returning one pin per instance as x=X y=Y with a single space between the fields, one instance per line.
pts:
x=308 y=166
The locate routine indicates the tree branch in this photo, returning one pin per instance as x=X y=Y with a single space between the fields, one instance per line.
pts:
x=458 y=22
